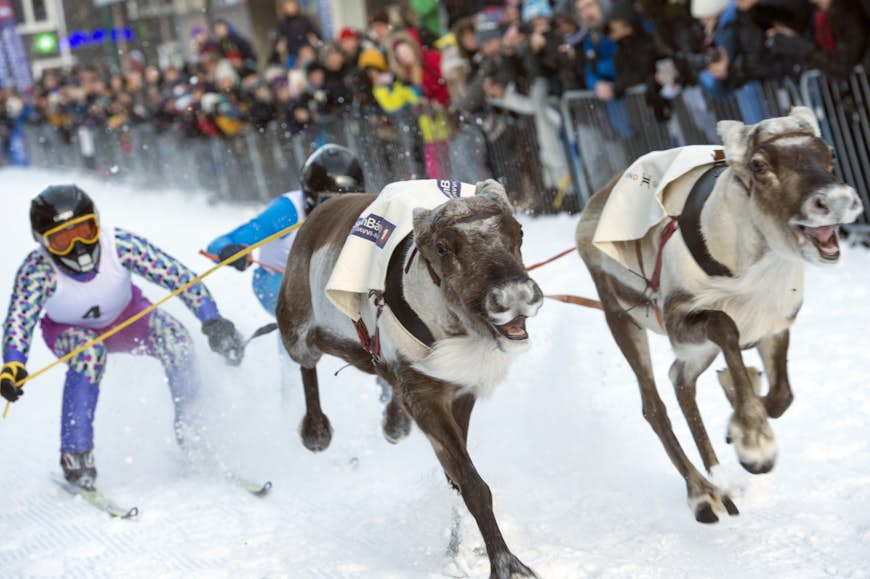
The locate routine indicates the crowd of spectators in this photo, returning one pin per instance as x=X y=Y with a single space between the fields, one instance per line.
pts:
x=459 y=63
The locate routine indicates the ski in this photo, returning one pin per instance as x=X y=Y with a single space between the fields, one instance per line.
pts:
x=97 y=499
x=255 y=488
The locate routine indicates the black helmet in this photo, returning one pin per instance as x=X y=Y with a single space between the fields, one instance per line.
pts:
x=76 y=247
x=330 y=169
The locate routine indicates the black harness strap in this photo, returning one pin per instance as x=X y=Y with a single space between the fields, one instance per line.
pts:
x=690 y=222
x=394 y=295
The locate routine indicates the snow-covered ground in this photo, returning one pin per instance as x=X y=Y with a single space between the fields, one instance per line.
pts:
x=582 y=487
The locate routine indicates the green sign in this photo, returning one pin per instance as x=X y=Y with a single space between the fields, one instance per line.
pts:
x=45 y=43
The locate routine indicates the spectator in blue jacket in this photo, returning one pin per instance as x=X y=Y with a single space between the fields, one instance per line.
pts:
x=598 y=49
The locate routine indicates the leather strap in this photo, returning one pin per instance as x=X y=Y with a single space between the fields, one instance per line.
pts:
x=690 y=222
x=395 y=298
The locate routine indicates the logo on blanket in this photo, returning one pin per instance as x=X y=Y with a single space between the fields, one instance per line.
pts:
x=374 y=228
x=451 y=189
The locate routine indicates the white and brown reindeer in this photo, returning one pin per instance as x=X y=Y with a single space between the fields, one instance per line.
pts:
x=457 y=283
x=724 y=276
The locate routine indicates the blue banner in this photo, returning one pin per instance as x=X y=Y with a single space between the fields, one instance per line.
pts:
x=14 y=67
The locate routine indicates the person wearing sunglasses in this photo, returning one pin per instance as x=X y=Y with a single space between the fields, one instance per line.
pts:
x=79 y=277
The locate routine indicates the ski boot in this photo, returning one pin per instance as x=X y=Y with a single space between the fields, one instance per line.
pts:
x=79 y=469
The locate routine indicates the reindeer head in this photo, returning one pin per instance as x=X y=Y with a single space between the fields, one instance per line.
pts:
x=472 y=245
x=787 y=170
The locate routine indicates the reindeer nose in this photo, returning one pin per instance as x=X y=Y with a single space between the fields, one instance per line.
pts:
x=839 y=201
x=520 y=293
x=821 y=205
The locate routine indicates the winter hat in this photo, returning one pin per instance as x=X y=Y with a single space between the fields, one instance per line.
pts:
x=565 y=9
x=708 y=8
x=535 y=9
x=313 y=66
x=225 y=70
x=372 y=57
x=487 y=31
x=380 y=16
x=488 y=27
x=623 y=10
x=346 y=33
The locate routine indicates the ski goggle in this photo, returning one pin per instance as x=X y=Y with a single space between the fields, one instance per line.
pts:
x=61 y=239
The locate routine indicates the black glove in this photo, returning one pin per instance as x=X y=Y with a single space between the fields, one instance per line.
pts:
x=224 y=339
x=230 y=250
x=10 y=376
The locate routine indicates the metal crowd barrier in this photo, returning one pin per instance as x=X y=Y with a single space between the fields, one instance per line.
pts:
x=258 y=166
x=605 y=137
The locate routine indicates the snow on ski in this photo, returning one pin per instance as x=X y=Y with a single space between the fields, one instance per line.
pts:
x=97 y=499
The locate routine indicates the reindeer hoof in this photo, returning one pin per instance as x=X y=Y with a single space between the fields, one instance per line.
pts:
x=316 y=432
x=704 y=513
x=758 y=467
x=507 y=566
x=396 y=423
x=730 y=506
x=755 y=446
x=710 y=504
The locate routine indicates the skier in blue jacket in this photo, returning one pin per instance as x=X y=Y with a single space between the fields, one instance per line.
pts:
x=330 y=169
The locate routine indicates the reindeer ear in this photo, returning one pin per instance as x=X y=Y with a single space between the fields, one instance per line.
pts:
x=806 y=116
x=422 y=221
x=492 y=189
x=733 y=134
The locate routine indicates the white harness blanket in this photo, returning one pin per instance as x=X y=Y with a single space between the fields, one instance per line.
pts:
x=362 y=264
x=647 y=193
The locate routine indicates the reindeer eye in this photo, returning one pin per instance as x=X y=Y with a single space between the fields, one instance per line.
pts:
x=441 y=249
x=757 y=165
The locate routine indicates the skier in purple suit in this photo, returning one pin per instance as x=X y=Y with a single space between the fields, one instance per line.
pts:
x=80 y=278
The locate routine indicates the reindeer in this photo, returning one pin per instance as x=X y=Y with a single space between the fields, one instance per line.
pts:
x=457 y=279
x=729 y=277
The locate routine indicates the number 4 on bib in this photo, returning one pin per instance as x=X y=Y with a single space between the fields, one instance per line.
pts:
x=94 y=313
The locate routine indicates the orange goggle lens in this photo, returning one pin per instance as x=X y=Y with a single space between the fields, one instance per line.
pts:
x=60 y=240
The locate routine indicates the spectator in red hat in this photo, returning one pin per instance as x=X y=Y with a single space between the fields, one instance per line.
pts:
x=348 y=41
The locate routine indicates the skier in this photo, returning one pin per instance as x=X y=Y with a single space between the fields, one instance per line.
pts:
x=79 y=276
x=330 y=169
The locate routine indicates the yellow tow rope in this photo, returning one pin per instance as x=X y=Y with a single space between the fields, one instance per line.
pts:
x=154 y=306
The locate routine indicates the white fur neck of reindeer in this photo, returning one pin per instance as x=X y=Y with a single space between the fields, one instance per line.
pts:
x=459 y=355
x=767 y=288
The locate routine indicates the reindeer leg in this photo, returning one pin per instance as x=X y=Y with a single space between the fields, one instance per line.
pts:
x=429 y=403
x=315 y=429
x=774 y=354
x=704 y=497
x=748 y=428
x=396 y=424
x=462 y=407
x=684 y=375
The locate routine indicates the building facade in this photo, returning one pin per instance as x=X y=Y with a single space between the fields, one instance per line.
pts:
x=114 y=33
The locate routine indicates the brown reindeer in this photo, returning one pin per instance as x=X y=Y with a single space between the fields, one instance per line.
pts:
x=729 y=277
x=458 y=279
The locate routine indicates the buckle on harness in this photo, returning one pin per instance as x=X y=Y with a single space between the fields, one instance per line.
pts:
x=371 y=343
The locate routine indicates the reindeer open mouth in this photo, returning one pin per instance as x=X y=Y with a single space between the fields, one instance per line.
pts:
x=825 y=238
x=514 y=329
